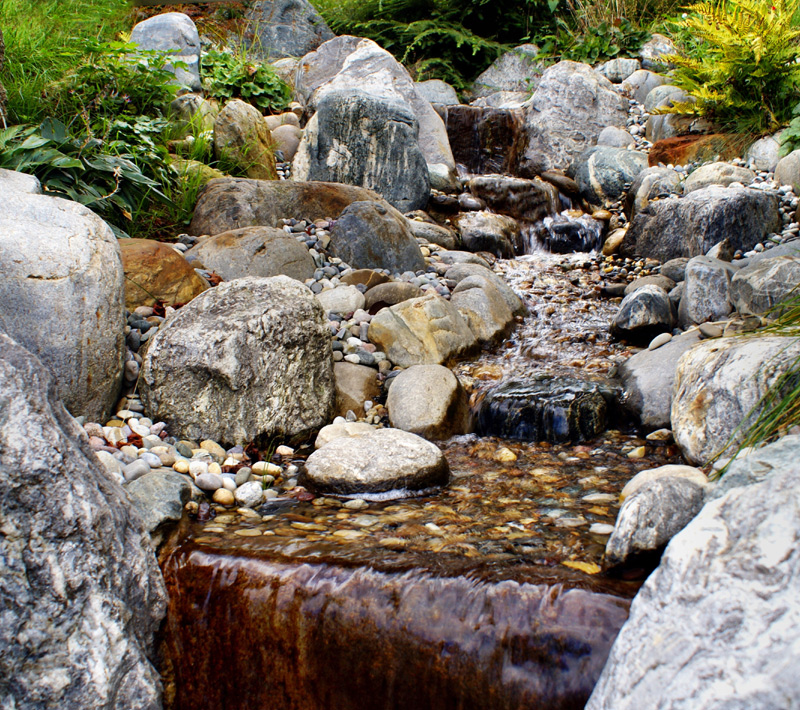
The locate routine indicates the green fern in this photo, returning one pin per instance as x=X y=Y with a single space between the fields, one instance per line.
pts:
x=747 y=78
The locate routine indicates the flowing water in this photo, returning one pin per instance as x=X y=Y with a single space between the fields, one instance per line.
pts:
x=487 y=594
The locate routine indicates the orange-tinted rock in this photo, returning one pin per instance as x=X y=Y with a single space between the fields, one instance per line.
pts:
x=682 y=150
x=155 y=271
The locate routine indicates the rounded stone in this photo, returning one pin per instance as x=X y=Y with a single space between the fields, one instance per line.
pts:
x=223 y=497
x=249 y=495
x=208 y=482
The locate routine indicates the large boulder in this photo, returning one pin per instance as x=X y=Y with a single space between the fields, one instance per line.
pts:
x=249 y=360
x=787 y=171
x=517 y=70
x=13 y=181
x=719 y=173
x=603 y=172
x=487 y=231
x=719 y=385
x=254 y=251
x=648 y=378
x=80 y=591
x=283 y=28
x=715 y=626
x=460 y=271
x=241 y=138
x=61 y=296
x=764 y=154
x=359 y=139
x=369 y=236
x=482 y=304
x=383 y=460
x=156 y=272
x=643 y=314
x=356 y=64
x=232 y=203
x=569 y=94
x=650 y=184
x=428 y=400
x=422 y=331
x=652 y=516
x=175 y=33
x=640 y=83
x=758 y=287
x=706 y=291
x=690 y=226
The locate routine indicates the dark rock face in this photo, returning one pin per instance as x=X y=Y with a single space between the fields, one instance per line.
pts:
x=284 y=28
x=602 y=172
x=359 y=139
x=231 y=203
x=690 y=226
x=81 y=595
x=368 y=236
x=485 y=140
x=525 y=200
x=565 y=236
x=643 y=314
x=649 y=184
x=547 y=409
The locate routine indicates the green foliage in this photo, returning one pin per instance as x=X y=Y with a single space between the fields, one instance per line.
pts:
x=745 y=77
x=45 y=39
x=453 y=40
x=232 y=76
x=595 y=44
x=790 y=137
x=101 y=174
x=118 y=78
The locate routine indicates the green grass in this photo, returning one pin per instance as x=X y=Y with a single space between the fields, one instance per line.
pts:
x=45 y=39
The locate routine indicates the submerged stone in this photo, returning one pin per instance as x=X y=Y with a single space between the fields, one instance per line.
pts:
x=547 y=409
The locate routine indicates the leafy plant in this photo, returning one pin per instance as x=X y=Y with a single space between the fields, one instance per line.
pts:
x=790 y=137
x=606 y=40
x=747 y=77
x=100 y=174
x=228 y=76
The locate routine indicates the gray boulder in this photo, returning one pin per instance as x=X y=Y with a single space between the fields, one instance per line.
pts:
x=269 y=373
x=368 y=236
x=369 y=141
x=341 y=299
x=758 y=287
x=460 y=271
x=675 y=269
x=484 y=308
x=715 y=626
x=517 y=71
x=354 y=64
x=651 y=184
x=13 y=181
x=706 y=291
x=428 y=400
x=640 y=83
x=653 y=53
x=695 y=475
x=664 y=96
x=764 y=153
x=667 y=229
x=175 y=33
x=159 y=498
x=487 y=231
x=652 y=516
x=787 y=171
x=80 y=591
x=283 y=28
x=422 y=331
x=231 y=203
x=717 y=174
x=241 y=137
x=254 y=251
x=643 y=314
x=652 y=280
x=648 y=378
x=718 y=387
x=603 y=172
x=569 y=94
x=619 y=69
x=62 y=296
x=437 y=92
x=383 y=460
x=615 y=137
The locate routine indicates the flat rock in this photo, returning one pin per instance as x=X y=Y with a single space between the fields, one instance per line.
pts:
x=669 y=471
x=81 y=591
x=269 y=373
x=384 y=460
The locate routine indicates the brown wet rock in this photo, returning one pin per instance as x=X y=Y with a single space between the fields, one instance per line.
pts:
x=390 y=294
x=155 y=271
x=682 y=150
x=368 y=277
x=485 y=140
x=354 y=385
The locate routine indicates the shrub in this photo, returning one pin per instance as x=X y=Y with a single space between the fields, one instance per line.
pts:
x=232 y=76
x=596 y=43
x=746 y=78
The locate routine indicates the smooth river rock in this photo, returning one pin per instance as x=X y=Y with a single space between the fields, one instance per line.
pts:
x=383 y=460
x=81 y=594
x=248 y=360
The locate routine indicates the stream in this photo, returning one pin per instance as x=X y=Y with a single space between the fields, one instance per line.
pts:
x=487 y=594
